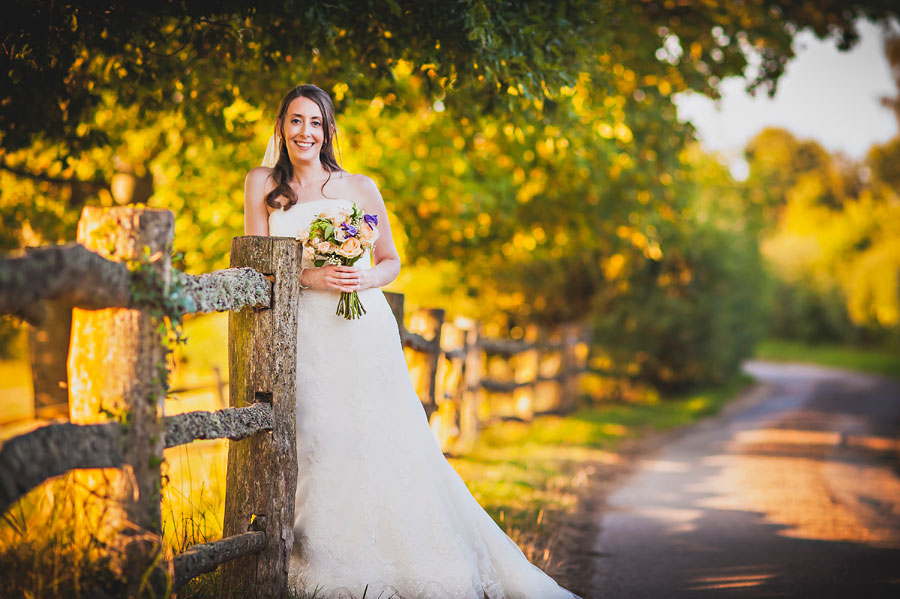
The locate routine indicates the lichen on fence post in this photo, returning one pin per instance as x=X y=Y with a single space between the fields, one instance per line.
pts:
x=116 y=370
x=262 y=470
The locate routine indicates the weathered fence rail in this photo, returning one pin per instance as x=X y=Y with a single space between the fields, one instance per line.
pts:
x=55 y=449
x=114 y=367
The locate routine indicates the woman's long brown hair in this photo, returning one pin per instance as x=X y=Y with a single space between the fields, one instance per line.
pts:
x=283 y=171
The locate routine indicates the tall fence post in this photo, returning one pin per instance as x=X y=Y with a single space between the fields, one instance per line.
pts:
x=427 y=322
x=262 y=470
x=115 y=360
x=473 y=368
x=570 y=365
x=395 y=301
x=525 y=370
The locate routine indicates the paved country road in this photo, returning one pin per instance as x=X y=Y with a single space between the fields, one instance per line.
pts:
x=792 y=492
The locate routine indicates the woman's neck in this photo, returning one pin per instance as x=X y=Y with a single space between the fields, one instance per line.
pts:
x=309 y=173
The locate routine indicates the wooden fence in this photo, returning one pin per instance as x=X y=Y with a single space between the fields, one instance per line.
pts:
x=467 y=381
x=116 y=390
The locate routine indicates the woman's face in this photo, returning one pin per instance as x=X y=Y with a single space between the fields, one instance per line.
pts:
x=303 y=130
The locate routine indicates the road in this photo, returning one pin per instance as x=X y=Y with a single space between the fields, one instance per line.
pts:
x=792 y=492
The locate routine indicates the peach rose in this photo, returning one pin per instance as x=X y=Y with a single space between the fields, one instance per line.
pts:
x=309 y=253
x=368 y=236
x=324 y=247
x=350 y=248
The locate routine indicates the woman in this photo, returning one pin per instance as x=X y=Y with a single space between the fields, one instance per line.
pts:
x=380 y=511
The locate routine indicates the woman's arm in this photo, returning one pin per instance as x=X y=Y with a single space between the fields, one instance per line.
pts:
x=386 y=259
x=256 y=217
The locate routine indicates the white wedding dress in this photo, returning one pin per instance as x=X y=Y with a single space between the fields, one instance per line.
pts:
x=380 y=511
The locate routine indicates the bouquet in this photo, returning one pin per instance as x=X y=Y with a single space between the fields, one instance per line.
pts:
x=340 y=235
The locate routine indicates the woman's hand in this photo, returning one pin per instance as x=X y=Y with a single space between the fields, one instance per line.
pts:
x=338 y=278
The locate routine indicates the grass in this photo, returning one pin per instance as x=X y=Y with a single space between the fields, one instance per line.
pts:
x=873 y=361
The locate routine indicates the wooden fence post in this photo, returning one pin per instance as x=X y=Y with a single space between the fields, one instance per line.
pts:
x=262 y=470
x=525 y=370
x=395 y=301
x=570 y=363
x=427 y=322
x=472 y=392
x=553 y=367
x=115 y=360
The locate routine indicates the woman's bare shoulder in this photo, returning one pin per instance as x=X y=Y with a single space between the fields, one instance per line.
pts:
x=363 y=187
x=259 y=175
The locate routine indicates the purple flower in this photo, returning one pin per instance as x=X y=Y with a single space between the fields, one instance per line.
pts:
x=371 y=220
x=349 y=229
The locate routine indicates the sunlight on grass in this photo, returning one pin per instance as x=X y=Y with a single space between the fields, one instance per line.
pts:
x=873 y=361
x=53 y=541
x=16 y=391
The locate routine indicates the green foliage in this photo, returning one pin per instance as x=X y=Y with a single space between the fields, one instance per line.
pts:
x=862 y=359
x=830 y=239
x=692 y=311
x=198 y=58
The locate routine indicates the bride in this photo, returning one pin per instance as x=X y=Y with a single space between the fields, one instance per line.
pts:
x=380 y=512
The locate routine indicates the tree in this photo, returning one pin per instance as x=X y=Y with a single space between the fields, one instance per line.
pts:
x=198 y=57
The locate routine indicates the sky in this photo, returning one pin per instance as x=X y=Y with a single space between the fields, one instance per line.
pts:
x=830 y=96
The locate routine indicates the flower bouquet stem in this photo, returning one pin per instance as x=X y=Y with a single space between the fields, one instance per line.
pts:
x=349 y=306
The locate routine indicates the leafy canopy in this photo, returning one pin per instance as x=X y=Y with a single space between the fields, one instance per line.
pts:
x=197 y=58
